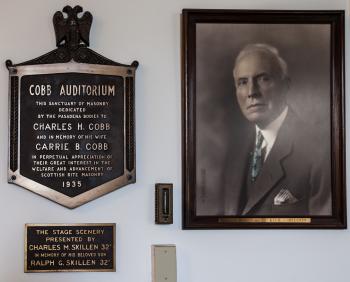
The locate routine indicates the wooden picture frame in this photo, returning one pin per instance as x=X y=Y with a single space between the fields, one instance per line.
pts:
x=237 y=64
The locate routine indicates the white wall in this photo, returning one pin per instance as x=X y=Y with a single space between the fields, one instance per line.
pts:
x=149 y=31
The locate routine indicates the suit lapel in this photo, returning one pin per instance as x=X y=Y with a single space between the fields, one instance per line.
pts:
x=237 y=167
x=272 y=170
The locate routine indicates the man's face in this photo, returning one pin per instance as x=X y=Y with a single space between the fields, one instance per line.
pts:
x=260 y=88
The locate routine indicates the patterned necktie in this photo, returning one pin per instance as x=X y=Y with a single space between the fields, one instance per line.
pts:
x=258 y=158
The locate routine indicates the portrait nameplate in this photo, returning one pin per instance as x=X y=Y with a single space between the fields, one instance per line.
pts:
x=69 y=247
x=71 y=118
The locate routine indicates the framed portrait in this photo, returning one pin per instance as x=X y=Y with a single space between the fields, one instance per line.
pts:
x=263 y=119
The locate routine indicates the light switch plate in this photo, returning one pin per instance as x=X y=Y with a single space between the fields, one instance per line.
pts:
x=164 y=263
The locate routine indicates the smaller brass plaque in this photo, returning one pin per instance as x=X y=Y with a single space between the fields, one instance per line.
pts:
x=69 y=247
x=267 y=220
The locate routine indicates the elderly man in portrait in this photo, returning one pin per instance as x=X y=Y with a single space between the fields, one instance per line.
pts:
x=282 y=167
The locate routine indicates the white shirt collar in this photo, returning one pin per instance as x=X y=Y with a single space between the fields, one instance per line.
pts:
x=270 y=132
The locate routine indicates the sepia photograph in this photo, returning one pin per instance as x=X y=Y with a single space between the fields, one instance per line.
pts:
x=263 y=102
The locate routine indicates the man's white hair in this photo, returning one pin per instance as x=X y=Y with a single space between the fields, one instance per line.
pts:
x=266 y=49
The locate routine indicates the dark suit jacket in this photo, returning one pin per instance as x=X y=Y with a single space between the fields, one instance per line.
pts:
x=299 y=162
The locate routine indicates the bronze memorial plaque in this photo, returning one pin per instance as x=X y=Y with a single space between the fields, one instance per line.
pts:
x=72 y=118
x=69 y=247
